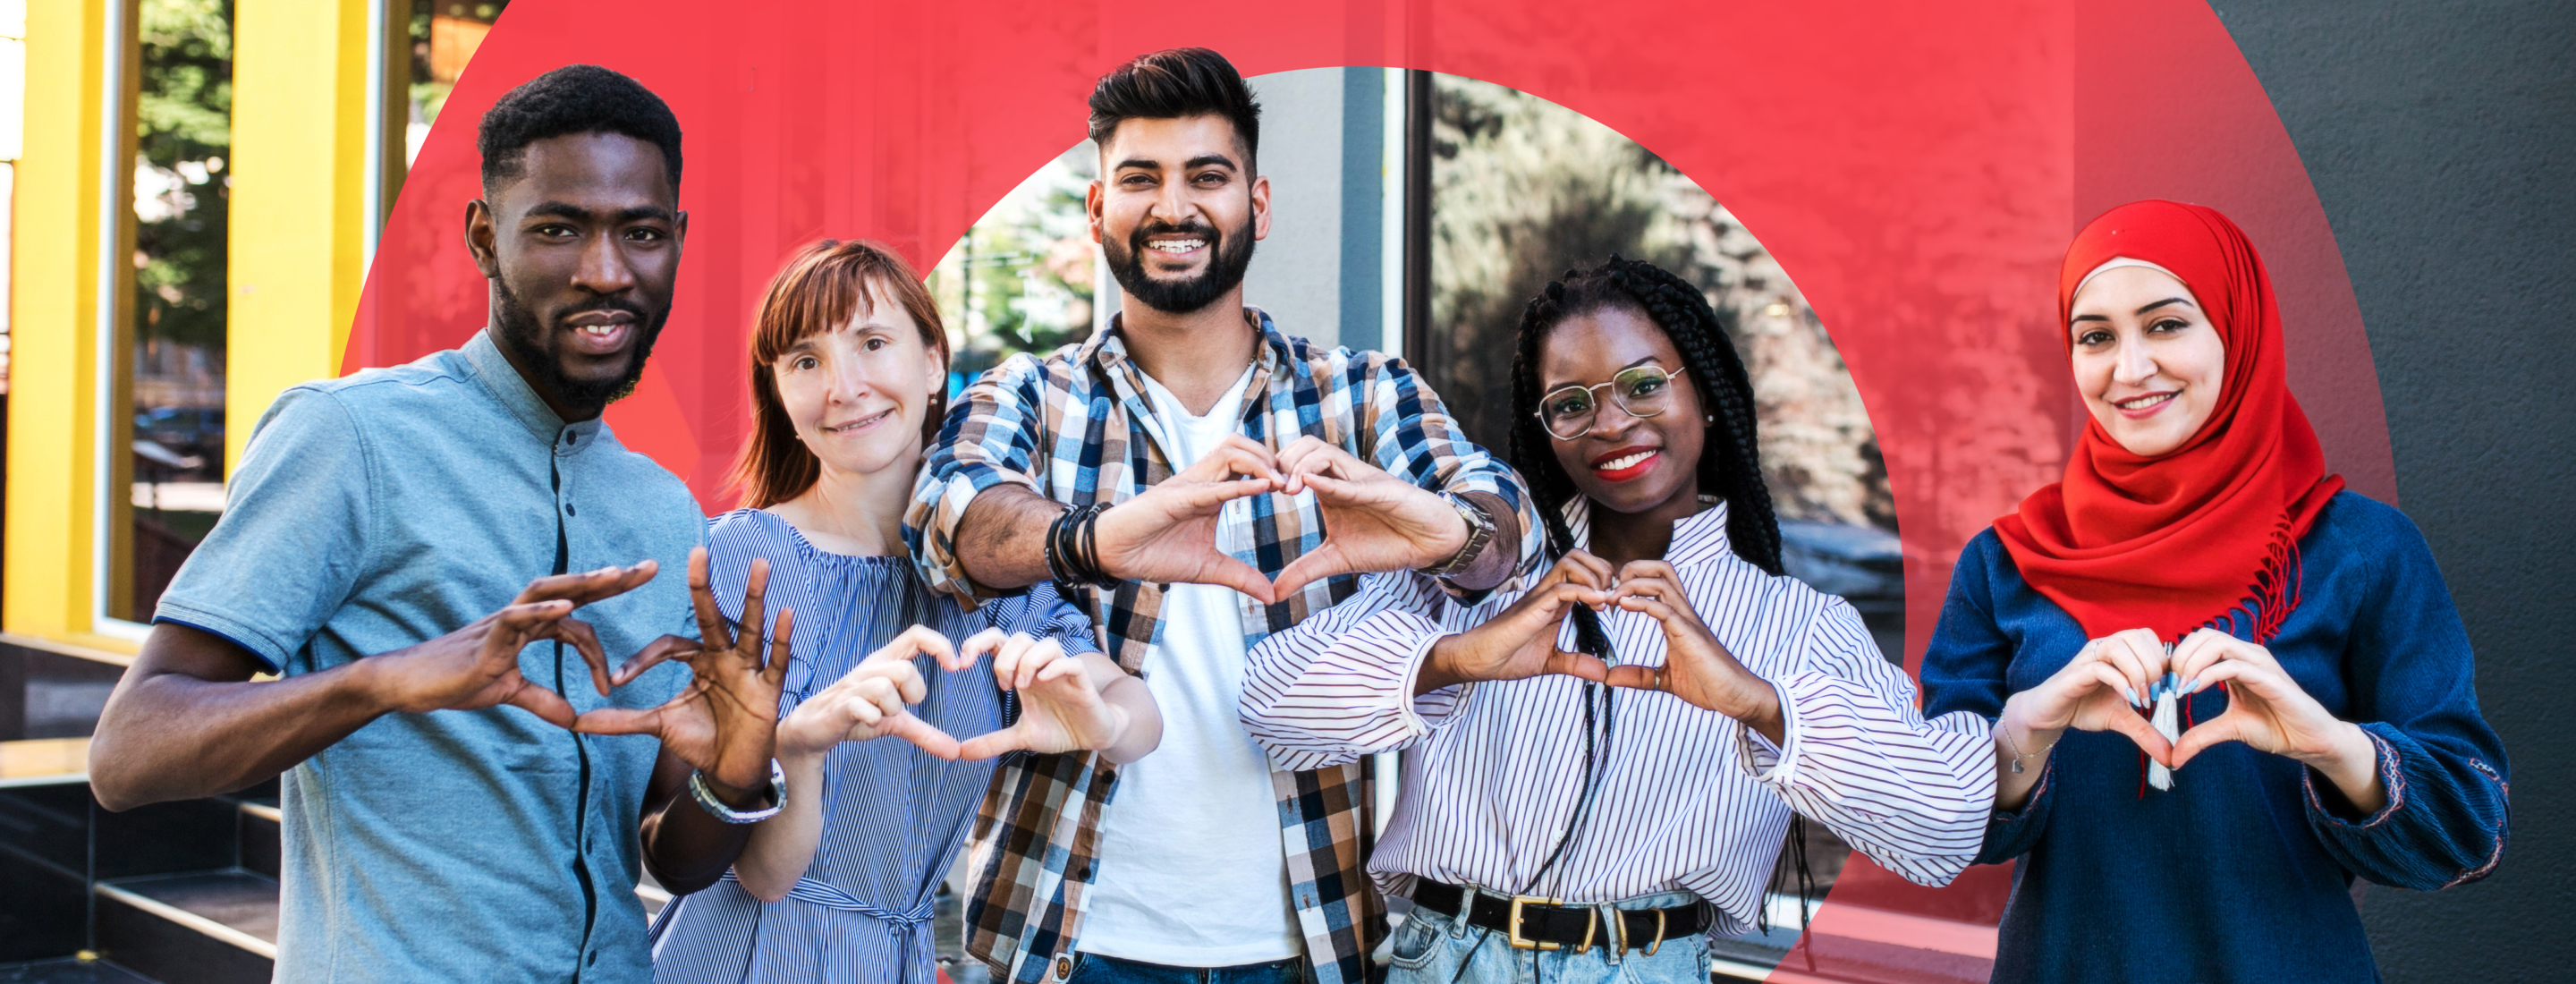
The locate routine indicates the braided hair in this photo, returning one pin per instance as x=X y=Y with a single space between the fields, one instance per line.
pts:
x=1731 y=465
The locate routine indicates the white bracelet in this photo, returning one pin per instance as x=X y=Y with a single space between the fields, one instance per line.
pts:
x=708 y=800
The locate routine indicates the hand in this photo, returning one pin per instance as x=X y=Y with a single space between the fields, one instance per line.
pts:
x=2101 y=689
x=1373 y=521
x=2269 y=712
x=1697 y=668
x=1521 y=642
x=1060 y=707
x=478 y=666
x=1168 y=533
x=725 y=724
x=869 y=702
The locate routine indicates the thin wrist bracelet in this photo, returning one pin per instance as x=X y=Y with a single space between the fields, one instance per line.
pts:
x=1480 y=531
x=2018 y=755
x=707 y=798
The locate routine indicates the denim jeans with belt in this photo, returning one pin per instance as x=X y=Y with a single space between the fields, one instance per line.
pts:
x=1093 y=968
x=1429 y=948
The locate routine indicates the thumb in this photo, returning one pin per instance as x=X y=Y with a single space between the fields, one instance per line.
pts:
x=992 y=744
x=2214 y=732
x=1579 y=665
x=921 y=735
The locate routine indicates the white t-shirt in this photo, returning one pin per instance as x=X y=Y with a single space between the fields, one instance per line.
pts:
x=1191 y=868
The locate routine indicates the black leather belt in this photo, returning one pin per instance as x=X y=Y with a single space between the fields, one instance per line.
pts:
x=1532 y=922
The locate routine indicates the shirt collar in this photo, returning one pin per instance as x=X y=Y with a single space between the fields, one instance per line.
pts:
x=512 y=392
x=1108 y=351
x=1698 y=538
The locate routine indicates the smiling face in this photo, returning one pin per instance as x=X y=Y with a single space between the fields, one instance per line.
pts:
x=1178 y=210
x=582 y=249
x=858 y=394
x=2147 y=360
x=1623 y=462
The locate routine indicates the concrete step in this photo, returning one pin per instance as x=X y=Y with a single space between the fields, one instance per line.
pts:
x=211 y=927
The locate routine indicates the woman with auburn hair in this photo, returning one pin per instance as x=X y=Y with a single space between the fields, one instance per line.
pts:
x=849 y=371
x=1615 y=828
x=2222 y=686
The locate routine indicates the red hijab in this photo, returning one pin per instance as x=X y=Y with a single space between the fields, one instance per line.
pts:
x=2199 y=534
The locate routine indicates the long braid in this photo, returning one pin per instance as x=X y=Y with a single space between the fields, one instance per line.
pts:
x=1550 y=489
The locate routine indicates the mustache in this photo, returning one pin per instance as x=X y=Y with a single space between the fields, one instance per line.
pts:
x=606 y=304
x=1136 y=239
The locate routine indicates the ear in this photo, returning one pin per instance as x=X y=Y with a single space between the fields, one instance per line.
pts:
x=1261 y=206
x=480 y=236
x=1091 y=205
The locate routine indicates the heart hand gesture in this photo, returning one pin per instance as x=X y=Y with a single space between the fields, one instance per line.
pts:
x=478 y=666
x=1373 y=521
x=1697 y=668
x=1061 y=708
x=2270 y=712
x=1521 y=642
x=1168 y=533
x=869 y=702
x=2101 y=689
x=725 y=723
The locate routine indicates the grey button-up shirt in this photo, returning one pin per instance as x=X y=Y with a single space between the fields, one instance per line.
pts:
x=390 y=507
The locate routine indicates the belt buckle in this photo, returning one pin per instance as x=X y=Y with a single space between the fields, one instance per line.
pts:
x=1512 y=926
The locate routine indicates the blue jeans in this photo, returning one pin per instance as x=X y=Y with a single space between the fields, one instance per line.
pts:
x=1093 y=968
x=1429 y=948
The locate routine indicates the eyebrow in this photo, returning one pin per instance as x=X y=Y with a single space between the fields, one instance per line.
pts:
x=2158 y=304
x=568 y=210
x=1552 y=387
x=1202 y=160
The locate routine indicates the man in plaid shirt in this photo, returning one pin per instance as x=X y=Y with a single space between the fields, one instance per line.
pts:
x=1247 y=478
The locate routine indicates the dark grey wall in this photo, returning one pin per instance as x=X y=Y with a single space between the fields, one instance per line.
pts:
x=2442 y=140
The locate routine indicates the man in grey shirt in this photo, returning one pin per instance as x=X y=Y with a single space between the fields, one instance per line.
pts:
x=404 y=549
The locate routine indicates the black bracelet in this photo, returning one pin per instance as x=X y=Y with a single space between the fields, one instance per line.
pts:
x=1080 y=547
x=1058 y=559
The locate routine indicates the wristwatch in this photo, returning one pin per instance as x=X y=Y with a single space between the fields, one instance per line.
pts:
x=1480 y=531
x=707 y=798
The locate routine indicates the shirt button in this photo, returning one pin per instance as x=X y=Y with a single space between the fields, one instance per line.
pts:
x=592 y=960
x=1084 y=874
x=1063 y=967
x=568 y=510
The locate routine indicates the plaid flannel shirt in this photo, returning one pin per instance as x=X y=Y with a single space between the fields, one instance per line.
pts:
x=1078 y=428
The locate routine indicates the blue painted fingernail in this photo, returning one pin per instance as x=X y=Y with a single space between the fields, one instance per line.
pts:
x=2133 y=695
x=2191 y=686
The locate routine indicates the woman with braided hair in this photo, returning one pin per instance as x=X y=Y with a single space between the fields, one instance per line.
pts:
x=1604 y=764
x=2197 y=568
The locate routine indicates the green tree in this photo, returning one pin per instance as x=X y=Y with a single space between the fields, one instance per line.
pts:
x=183 y=123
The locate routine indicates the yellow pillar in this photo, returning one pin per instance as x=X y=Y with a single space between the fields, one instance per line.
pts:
x=299 y=165
x=67 y=184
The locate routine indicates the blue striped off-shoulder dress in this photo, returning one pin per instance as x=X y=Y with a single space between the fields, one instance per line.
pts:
x=893 y=816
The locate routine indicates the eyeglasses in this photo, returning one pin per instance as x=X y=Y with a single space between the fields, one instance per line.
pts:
x=1641 y=391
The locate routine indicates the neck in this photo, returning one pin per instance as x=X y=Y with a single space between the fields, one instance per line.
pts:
x=1620 y=537
x=1195 y=355
x=858 y=513
x=568 y=413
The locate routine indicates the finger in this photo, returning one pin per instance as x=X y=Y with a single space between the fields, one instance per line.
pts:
x=876 y=699
x=919 y=640
x=702 y=599
x=585 y=587
x=2119 y=651
x=1006 y=660
x=1309 y=567
x=1238 y=455
x=1231 y=573
x=653 y=654
x=584 y=640
x=775 y=671
x=1039 y=656
x=1634 y=677
x=976 y=647
x=2209 y=734
x=625 y=720
x=1202 y=498
x=755 y=594
x=1579 y=665
x=1655 y=607
x=1059 y=668
x=543 y=703
x=938 y=743
x=993 y=744
x=1584 y=568
x=1648 y=569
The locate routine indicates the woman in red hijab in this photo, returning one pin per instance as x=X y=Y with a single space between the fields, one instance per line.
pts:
x=2223 y=687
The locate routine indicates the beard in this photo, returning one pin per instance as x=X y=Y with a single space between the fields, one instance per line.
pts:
x=1233 y=257
x=516 y=328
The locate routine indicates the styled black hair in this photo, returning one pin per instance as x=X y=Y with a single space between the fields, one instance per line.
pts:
x=574 y=99
x=1730 y=464
x=1170 y=85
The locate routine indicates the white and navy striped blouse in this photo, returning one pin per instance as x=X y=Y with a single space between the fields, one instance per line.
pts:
x=893 y=815
x=1688 y=800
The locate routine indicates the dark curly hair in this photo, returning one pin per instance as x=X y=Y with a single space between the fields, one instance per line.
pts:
x=574 y=99
x=1173 y=84
x=1731 y=465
